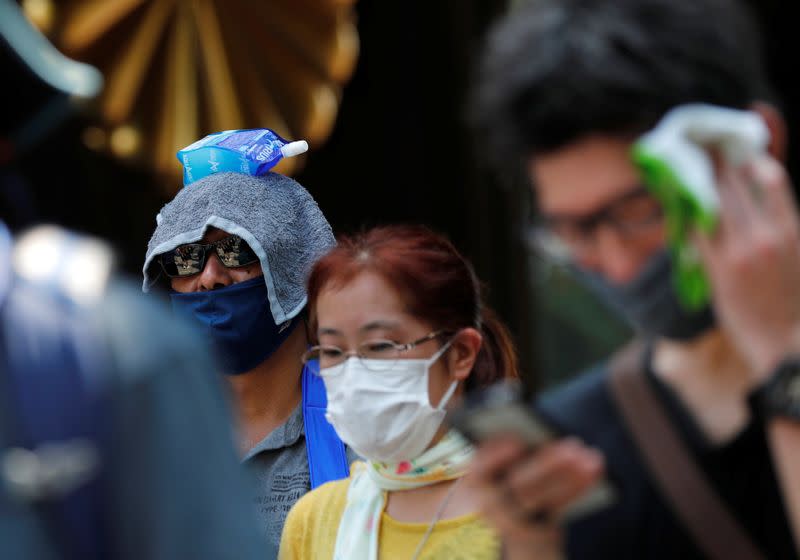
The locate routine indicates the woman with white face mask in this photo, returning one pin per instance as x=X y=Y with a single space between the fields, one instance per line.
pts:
x=402 y=334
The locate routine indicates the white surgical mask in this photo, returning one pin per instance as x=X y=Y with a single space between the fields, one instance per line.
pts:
x=384 y=414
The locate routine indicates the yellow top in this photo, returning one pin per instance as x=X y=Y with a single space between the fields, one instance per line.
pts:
x=312 y=525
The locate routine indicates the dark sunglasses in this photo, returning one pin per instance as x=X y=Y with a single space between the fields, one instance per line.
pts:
x=189 y=259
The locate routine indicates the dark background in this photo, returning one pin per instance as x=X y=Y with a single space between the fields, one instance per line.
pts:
x=400 y=152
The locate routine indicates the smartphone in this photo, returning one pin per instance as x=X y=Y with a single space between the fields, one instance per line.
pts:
x=501 y=409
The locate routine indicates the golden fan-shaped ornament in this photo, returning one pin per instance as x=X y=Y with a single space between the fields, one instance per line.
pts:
x=177 y=70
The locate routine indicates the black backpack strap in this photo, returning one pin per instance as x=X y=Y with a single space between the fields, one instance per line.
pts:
x=681 y=482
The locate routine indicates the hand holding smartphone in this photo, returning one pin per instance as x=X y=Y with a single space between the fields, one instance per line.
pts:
x=500 y=411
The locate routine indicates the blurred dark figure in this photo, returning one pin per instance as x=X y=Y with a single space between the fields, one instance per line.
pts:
x=566 y=87
x=113 y=431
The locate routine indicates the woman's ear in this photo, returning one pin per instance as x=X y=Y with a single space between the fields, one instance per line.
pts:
x=463 y=352
x=777 y=128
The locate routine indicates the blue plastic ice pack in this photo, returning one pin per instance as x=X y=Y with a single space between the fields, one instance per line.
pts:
x=254 y=152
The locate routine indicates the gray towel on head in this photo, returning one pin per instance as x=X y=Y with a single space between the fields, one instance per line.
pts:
x=274 y=214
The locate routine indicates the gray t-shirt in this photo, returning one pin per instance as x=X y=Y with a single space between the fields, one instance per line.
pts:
x=279 y=464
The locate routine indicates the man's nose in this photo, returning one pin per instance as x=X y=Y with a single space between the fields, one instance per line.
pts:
x=214 y=274
x=611 y=256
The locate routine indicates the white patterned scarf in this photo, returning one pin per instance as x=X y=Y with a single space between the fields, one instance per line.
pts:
x=359 y=527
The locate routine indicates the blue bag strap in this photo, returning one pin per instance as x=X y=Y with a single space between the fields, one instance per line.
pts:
x=326 y=456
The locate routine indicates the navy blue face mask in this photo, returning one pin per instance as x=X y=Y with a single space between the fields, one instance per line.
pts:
x=238 y=322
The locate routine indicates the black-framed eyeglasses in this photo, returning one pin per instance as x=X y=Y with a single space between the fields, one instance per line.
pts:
x=375 y=355
x=562 y=237
x=190 y=258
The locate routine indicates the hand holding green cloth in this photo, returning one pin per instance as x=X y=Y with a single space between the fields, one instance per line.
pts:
x=675 y=164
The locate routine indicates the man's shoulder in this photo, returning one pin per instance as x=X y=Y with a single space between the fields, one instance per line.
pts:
x=585 y=407
x=581 y=404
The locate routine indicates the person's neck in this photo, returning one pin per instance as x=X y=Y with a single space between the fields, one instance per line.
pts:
x=266 y=396
x=711 y=379
x=418 y=505
x=712 y=355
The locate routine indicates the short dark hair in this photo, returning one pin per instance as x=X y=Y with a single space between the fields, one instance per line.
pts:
x=557 y=70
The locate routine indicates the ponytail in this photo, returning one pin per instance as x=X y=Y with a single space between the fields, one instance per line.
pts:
x=497 y=359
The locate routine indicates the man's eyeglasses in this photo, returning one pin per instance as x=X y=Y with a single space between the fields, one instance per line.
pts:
x=562 y=238
x=189 y=259
x=376 y=355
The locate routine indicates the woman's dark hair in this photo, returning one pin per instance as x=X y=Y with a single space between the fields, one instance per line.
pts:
x=557 y=70
x=436 y=283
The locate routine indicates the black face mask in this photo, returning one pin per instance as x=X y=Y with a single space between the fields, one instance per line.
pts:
x=649 y=301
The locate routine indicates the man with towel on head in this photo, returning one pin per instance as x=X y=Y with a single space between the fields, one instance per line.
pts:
x=234 y=251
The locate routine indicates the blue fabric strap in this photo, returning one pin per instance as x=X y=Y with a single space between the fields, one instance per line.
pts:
x=326 y=456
